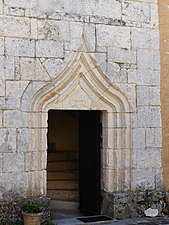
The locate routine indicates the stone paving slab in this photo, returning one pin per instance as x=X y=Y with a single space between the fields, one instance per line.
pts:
x=131 y=221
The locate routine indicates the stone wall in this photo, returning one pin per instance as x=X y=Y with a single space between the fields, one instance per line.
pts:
x=38 y=39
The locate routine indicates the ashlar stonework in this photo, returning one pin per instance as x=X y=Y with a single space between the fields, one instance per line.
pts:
x=80 y=55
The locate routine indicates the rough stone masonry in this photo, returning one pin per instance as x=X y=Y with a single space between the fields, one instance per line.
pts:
x=38 y=40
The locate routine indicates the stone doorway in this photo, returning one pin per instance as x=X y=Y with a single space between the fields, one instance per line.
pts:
x=73 y=168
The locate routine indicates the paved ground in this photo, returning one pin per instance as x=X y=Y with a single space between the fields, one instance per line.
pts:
x=133 y=221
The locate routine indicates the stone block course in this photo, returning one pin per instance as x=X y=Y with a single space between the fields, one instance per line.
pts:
x=135 y=11
x=15 y=118
x=32 y=69
x=112 y=36
x=20 y=47
x=119 y=40
x=49 y=48
x=13 y=162
x=10 y=26
x=7 y=140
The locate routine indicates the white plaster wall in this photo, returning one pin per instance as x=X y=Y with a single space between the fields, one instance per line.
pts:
x=37 y=40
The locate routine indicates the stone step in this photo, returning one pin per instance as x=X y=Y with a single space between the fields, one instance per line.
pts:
x=63 y=195
x=63 y=166
x=62 y=156
x=59 y=175
x=63 y=185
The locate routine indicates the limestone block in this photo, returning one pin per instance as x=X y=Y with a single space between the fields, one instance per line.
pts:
x=144 y=77
x=32 y=69
x=15 y=88
x=143 y=179
x=143 y=95
x=150 y=137
x=2 y=88
x=54 y=30
x=134 y=120
x=1 y=6
x=149 y=116
x=154 y=16
x=1 y=117
x=17 y=72
x=155 y=95
x=114 y=36
x=23 y=139
x=38 y=120
x=21 y=3
x=15 y=118
x=14 y=27
x=1 y=46
x=34 y=29
x=21 y=183
x=101 y=8
x=54 y=66
x=7 y=67
x=76 y=31
x=148 y=59
x=13 y=162
x=49 y=48
x=36 y=160
x=159 y=178
x=7 y=140
x=12 y=103
x=121 y=55
x=11 y=11
x=20 y=47
x=32 y=88
x=147 y=158
x=0 y=163
x=145 y=38
x=158 y=137
x=135 y=11
x=139 y=138
x=130 y=92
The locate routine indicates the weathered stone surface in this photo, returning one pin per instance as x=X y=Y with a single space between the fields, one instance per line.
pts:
x=130 y=204
x=7 y=67
x=9 y=26
x=2 y=46
x=32 y=69
x=135 y=11
x=54 y=66
x=151 y=212
x=32 y=88
x=15 y=118
x=145 y=38
x=54 y=30
x=121 y=55
x=10 y=11
x=7 y=140
x=138 y=137
x=113 y=36
x=20 y=47
x=13 y=162
x=144 y=77
x=23 y=140
x=45 y=48
x=21 y=3
x=148 y=59
x=149 y=117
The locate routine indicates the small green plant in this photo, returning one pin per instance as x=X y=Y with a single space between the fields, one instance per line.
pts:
x=32 y=207
x=16 y=223
x=49 y=222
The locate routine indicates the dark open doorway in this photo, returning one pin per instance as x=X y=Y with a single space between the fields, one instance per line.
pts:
x=73 y=171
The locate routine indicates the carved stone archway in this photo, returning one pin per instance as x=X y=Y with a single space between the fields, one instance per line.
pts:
x=83 y=86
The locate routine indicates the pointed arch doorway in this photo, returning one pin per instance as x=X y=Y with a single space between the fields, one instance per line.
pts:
x=83 y=86
x=74 y=150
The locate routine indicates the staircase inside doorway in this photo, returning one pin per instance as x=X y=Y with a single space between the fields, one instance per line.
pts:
x=63 y=176
x=63 y=156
